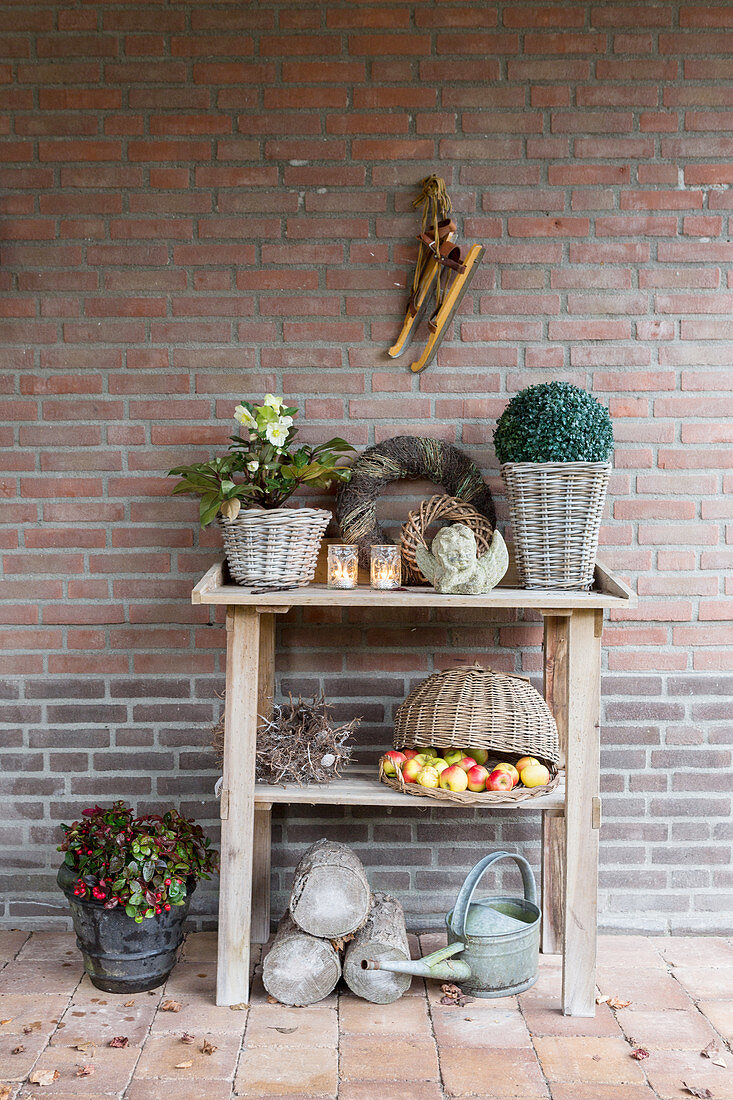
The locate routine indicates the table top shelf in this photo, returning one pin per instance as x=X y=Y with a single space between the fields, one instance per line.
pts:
x=360 y=787
x=608 y=591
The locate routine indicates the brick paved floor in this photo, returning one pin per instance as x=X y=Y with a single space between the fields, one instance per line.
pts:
x=681 y=993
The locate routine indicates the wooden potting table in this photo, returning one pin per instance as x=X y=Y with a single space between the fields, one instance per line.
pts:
x=571 y=814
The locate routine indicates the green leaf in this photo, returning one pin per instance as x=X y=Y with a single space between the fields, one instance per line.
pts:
x=148 y=870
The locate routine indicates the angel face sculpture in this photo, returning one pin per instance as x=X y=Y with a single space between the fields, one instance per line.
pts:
x=452 y=564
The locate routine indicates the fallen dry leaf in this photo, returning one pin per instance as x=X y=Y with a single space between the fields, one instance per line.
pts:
x=84 y=1046
x=184 y=1065
x=713 y=1052
x=186 y=1038
x=19 y=1049
x=120 y=1041
x=35 y=1026
x=87 y=1070
x=44 y=1076
x=702 y=1094
x=170 y=1006
x=616 y=1002
x=240 y=1007
x=129 y=1004
x=272 y=1000
x=640 y=1054
x=454 y=995
x=283 y=1030
x=340 y=943
x=208 y=1048
x=4 y=1092
x=8 y=1021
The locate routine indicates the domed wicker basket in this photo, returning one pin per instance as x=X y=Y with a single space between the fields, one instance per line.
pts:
x=477 y=706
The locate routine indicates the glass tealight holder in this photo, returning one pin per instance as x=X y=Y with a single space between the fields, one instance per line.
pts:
x=343 y=566
x=386 y=563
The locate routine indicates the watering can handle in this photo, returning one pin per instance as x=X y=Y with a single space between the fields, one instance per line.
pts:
x=465 y=896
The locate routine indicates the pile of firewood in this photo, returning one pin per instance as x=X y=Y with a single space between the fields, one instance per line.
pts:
x=333 y=923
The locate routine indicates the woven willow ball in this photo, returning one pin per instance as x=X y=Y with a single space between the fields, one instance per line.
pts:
x=439 y=509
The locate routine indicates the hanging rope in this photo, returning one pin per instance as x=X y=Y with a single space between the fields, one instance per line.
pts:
x=436 y=205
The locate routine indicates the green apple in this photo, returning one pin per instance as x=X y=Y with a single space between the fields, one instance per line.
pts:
x=440 y=765
x=479 y=755
x=429 y=752
x=452 y=756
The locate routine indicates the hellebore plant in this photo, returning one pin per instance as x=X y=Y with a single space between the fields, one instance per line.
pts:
x=268 y=469
x=141 y=863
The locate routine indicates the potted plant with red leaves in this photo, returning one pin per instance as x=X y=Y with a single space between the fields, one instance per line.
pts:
x=129 y=882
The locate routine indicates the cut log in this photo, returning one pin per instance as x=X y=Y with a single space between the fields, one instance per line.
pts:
x=299 y=969
x=383 y=937
x=330 y=895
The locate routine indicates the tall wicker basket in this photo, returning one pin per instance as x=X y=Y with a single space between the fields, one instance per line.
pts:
x=274 y=549
x=556 y=510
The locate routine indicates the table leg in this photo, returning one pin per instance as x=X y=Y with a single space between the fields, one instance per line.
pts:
x=261 y=873
x=237 y=805
x=555 y=646
x=581 y=813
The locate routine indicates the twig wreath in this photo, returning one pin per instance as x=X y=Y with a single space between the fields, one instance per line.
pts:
x=411 y=457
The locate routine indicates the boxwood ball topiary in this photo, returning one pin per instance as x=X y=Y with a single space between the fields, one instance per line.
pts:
x=554 y=422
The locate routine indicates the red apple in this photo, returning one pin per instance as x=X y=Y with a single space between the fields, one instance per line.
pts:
x=467 y=762
x=453 y=779
x=477 y=776
x=510 y=769
x=410 y=770
x=499 y=781
x=409 y=753
x=391 y=759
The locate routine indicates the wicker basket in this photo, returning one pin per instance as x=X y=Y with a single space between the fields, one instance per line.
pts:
x=275 y=549
x=439 y=509
x=475 y=706
x=556 y=510
x=519 y=794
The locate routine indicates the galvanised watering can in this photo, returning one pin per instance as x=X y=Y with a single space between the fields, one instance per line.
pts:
x=499 y=938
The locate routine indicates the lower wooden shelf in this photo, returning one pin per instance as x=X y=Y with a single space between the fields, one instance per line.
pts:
x=361 y=787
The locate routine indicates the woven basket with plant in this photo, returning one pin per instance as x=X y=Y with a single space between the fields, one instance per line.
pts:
x=554 y=443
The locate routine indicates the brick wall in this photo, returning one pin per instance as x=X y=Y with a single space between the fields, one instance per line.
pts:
x=203 y=202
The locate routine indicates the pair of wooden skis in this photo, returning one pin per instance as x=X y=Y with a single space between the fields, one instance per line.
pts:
x=440 y=273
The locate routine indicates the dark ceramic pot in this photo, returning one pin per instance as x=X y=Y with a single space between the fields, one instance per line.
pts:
x=121 y=956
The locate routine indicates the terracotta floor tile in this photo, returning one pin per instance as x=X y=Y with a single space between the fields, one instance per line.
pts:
x=601 y=1092
x=200 y=945
x=705 y=982
x=163 y=1053
x=501 y=1027
x=11 y=943
x=59 y=946
x=292 y=1028
x=16 y=1067
x=359 y=1017
x=85 y=1020
x=651 y=988
x=113 y=1071
x=635 y=951
x=23 y=1009
x=275 y=1073
x=667 y=1070
x=588 y=1059
x=491 y=1074
x=720 y=1014
x=550 y=1021
x=19 y=977
x=675 y=1029
x=195 y=1017
x=161 y=1090
x=363 y=1058
x=695 y=950
x=390 y=1090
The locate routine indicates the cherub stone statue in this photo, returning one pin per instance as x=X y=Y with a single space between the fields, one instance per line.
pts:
x=452 y=564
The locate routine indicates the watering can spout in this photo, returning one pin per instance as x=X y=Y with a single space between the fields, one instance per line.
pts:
x=438 y=965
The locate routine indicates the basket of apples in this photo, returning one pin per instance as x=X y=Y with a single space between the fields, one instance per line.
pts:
x=468 y=775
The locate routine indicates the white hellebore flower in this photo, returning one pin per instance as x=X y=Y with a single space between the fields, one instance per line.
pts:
x=285 y=421
x=275 y=403
x=276 y=434
x=244 y=416
x=253 y=466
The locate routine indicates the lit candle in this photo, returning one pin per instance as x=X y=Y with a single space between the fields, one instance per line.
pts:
x=386 y=571
x=343 y=566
